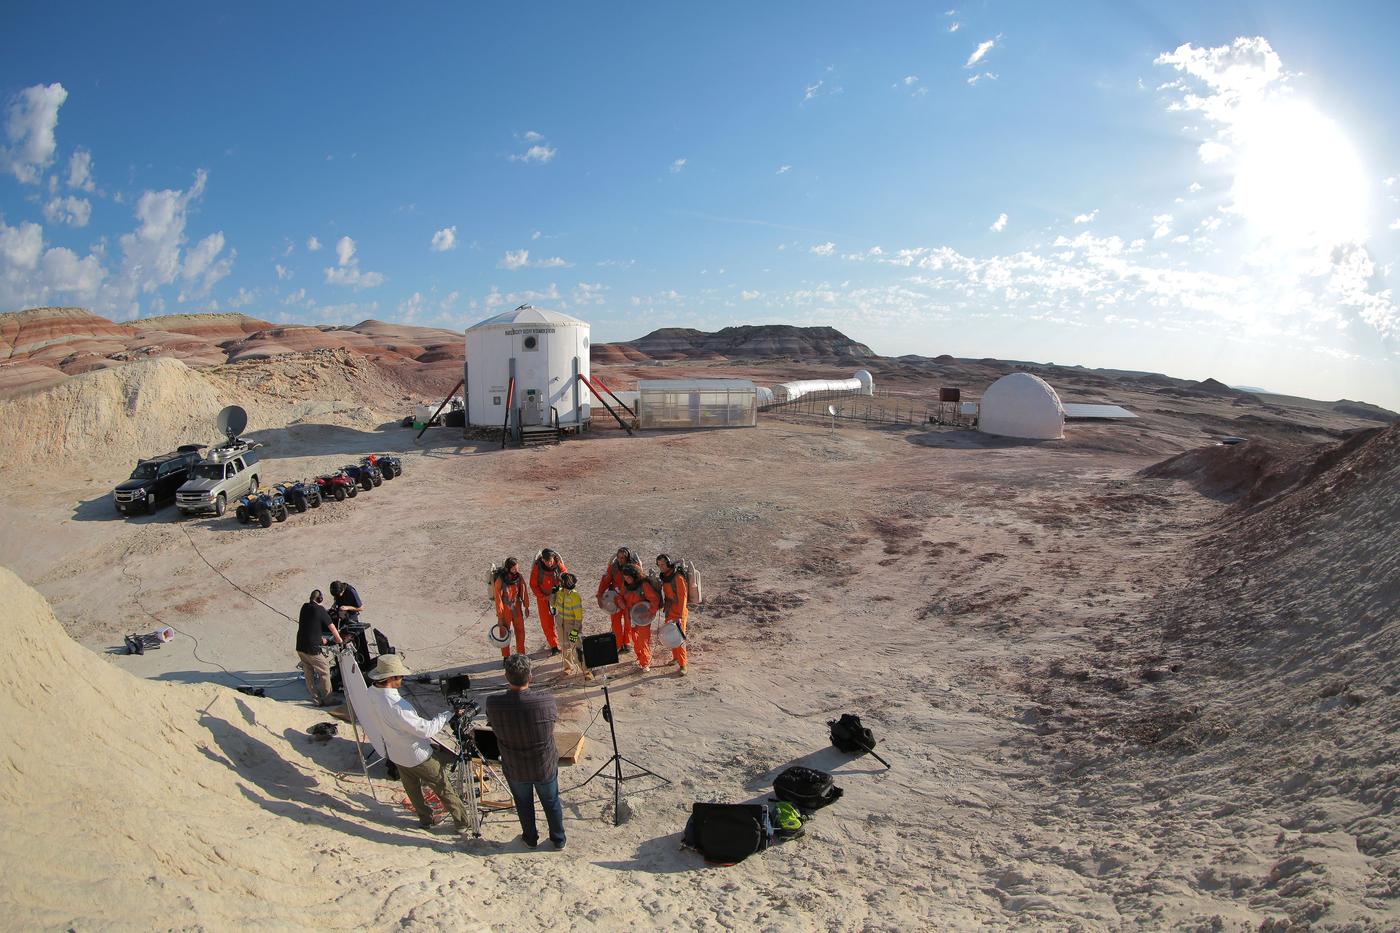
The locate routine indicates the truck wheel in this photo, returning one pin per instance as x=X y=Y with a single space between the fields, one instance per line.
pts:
x=150 y=503
x=282 y=513
x=264 y=516
x=241 y=514
x=221 y=505
x=339 y=493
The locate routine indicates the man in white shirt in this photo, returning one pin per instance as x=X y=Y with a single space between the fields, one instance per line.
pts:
x=406 y=741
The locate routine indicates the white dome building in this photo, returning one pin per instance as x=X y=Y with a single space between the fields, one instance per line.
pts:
x=1021 y=405
x=545 y=351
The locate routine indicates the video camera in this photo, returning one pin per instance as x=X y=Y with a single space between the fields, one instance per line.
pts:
x=454 y=690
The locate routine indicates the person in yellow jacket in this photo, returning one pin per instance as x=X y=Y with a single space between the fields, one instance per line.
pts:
x=567 y=605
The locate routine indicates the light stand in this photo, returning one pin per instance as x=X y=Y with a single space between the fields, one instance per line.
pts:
x=617 y=777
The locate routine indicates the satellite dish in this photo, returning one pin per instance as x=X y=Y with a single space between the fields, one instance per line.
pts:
x=831 y=410
x=231 y=421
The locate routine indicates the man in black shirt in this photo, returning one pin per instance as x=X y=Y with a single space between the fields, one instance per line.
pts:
x=347 y=611
x=523 y=720
x=314 y=630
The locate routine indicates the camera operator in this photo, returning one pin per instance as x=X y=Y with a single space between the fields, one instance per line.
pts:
x=523 y=721
x=314 y=630
x=347 y=609
x=407 y=743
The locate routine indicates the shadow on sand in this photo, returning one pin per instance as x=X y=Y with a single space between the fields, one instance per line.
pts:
x=281 y=788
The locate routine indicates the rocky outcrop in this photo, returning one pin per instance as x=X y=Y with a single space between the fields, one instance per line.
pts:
x=42 y=346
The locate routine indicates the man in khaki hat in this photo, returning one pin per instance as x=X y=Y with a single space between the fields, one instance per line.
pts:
x=407 y=743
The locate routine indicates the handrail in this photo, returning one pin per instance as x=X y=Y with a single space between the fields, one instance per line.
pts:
x=510 y=400
x=599 y=397
x=625 y=406
x=554 y=417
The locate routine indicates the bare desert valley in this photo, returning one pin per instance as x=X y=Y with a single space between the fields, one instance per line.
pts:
x=1133 y=678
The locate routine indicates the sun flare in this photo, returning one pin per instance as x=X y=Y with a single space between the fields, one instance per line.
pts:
x=1298 y=179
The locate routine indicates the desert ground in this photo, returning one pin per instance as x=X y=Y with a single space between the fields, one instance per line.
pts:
x=1116 y=693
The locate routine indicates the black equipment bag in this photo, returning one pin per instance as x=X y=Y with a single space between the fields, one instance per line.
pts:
x=809 y=788
x=726 y=833
x=850 y=735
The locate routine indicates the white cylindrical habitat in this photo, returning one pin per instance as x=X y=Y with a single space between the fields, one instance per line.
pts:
x=1021 y=405
x=544 y=351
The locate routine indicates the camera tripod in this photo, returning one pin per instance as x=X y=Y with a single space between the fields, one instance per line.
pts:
x=469 y=785
x=615 y=762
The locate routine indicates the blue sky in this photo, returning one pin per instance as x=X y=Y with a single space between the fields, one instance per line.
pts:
x=1200 y=189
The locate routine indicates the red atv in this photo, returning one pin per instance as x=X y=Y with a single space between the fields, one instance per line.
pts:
x=337 y=486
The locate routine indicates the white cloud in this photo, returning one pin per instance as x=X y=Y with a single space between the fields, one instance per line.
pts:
x=999 y=224
x=444 y=240
x=750 y=296
x=538 y=150
x=982 y=76
x=31 y=276
x=981 y=51
x=589 y=293
x=514 y=259
x=347 y=272
x=812 y=90
x=80 y=170
x=784 y=169
x=70 y=210
x=1162 y=225
x=677 y=165
x=204 y=267
x=823 y=249
x=1395 y=224
x=1086 y=218
x=1194 y=187
x=954 y=27
x=283 y=273
x=313 y=244
x=32 y=118
x=553 y=262
x=909 y=80
x=1213 y=151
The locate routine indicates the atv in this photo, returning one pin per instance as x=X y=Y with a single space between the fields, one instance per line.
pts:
x=337 y=486
x=300 y=496
x=365 y=473
x=262 y=506
x=389 y=465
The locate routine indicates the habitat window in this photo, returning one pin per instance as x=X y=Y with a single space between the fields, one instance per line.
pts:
x=531 y=342
x=495 y=400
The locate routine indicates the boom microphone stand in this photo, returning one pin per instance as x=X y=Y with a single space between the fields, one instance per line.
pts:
x=617 y=777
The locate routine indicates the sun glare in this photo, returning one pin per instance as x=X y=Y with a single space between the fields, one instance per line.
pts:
x=1298 y=179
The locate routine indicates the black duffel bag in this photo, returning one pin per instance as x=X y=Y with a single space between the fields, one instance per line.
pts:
x=809 y=788
x=726 y=833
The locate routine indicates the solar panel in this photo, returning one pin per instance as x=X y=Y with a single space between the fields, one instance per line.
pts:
x=1076 y=410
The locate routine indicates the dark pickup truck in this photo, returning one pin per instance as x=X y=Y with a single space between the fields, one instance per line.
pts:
x=155 y=479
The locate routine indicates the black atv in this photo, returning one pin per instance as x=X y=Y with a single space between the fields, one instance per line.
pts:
x=262 y=506
x=389 y=465
x=366 y=474
x=300 y=496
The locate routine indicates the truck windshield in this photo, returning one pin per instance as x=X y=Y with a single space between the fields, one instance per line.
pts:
x=208 y=471
x=146 y=470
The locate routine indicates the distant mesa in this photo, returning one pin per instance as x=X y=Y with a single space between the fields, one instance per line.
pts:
x=761 y=341
x=1365 y=410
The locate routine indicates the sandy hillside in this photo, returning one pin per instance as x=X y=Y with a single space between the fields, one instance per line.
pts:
x=1114 y=696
